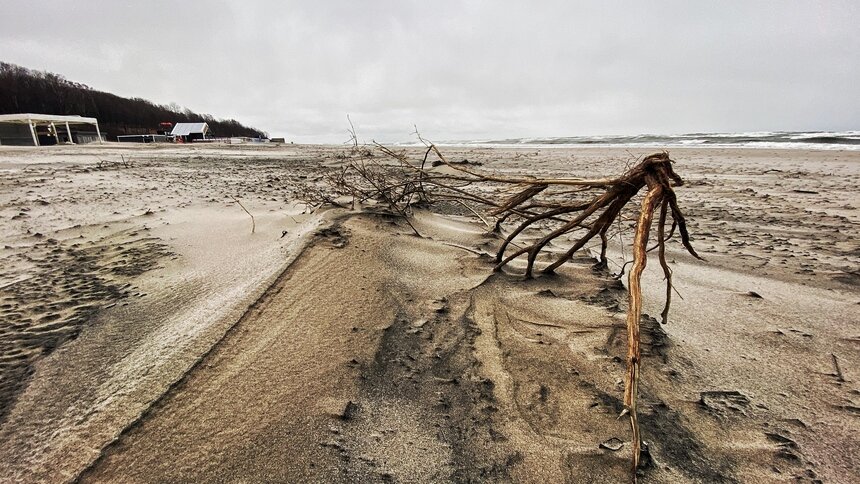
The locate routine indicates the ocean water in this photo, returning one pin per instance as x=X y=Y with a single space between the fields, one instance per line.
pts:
x=815 y=140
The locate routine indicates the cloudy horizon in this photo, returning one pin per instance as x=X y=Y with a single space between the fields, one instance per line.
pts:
x=470 y=70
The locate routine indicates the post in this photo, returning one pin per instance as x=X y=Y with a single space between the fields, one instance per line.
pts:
x=69 y=132
x=33 y=132
x=98 y=133
x=56 y=134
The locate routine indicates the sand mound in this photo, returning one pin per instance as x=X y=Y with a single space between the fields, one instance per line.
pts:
x=380 y=356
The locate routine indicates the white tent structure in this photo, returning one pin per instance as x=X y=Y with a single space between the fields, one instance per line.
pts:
x=190 y=131
x=52 y=120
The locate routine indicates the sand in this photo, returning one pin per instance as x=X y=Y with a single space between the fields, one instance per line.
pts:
x=149 y=336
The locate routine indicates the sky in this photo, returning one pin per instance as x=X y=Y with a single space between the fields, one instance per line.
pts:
x=460 y=70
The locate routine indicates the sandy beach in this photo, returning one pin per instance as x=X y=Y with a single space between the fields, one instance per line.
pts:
x=151 y=331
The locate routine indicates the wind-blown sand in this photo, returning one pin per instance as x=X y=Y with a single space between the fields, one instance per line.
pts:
x=149 y=336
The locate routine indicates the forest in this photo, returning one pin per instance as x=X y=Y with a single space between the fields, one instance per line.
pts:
x=24 y=90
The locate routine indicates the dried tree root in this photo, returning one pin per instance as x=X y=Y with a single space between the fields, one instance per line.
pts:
x=634 y=312
x=554 y=207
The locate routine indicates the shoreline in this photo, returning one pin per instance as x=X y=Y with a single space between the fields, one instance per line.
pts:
x=657 y=147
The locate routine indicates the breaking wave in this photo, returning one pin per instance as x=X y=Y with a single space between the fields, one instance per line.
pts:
x=812 y=140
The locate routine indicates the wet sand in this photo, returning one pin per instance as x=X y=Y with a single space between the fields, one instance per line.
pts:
x=148 y=336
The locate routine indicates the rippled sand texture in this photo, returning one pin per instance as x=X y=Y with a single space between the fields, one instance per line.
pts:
x=148 y=336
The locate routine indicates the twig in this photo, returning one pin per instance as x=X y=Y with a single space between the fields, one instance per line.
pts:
x=481 y=217
x=253 y=223
x=467 y=249
x=839 y=376
x=352 y=137
x=667 y=272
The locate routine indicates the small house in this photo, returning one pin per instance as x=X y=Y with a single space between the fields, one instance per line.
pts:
x=188 y=132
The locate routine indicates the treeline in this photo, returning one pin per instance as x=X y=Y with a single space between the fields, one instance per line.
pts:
x=25 y=90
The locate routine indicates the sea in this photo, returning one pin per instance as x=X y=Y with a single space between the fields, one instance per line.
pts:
x=808 y=140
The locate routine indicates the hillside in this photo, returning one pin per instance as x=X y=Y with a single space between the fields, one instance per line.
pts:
x=25 y=90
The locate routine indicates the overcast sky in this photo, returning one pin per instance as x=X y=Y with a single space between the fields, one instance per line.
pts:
x=460 y=70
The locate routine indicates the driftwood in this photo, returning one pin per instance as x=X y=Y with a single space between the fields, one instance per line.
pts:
x=553 y=207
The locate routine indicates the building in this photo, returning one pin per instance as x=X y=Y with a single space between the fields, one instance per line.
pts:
x=143 y=138
x=47 y=129
x=188 y=132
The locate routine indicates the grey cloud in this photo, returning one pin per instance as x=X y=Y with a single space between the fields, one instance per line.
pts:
x=461 y=70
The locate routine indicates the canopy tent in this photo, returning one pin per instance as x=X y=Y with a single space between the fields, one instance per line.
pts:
x=33 y=120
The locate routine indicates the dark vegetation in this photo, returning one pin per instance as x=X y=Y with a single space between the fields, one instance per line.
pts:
x=25 y=90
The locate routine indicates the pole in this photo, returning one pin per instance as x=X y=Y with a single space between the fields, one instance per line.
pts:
x=98 y=133
x=69 y=132
x=56 y=134
x=33 y=132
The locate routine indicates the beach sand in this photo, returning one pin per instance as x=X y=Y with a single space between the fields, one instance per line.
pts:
x=149 y=336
